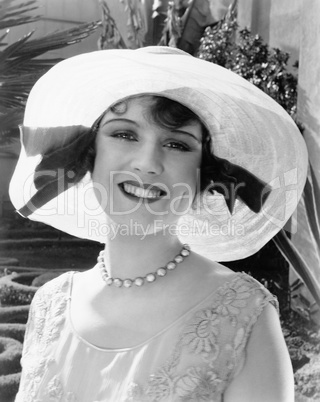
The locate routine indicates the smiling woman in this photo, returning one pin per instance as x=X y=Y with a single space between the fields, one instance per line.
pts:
x=148 y=162
x=145 y=151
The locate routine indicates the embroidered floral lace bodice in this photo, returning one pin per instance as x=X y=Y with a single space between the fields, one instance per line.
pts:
x=194 y=359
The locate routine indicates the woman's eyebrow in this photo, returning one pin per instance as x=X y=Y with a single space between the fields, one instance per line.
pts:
x=120 y=119
x=183 y=132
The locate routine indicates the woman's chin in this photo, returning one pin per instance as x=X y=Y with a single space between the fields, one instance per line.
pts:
x=141 y=225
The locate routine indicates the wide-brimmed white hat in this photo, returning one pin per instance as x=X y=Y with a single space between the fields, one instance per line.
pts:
x=248 y=129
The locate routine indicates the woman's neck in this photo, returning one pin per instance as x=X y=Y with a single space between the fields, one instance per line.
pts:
x=130 y=256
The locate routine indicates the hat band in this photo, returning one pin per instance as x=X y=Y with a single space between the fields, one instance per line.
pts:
x=228 y=179
x=233 y=181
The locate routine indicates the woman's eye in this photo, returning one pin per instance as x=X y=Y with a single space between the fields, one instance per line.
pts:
x=178 y=146
x=124 y=135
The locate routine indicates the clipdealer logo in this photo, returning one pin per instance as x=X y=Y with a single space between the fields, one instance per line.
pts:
x=134 y=228
x=87 y=199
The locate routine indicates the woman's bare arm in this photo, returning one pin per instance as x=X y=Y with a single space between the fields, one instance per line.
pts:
x=267 y=375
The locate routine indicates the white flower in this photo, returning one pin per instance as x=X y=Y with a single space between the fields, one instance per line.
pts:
x=198 y=385
x=200 y=335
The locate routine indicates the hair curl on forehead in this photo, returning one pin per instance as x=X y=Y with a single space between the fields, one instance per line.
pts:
x=120 y=107
x=165 y=112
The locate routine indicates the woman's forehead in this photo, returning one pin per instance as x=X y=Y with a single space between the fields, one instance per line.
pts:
x=130 y=106
x=145 y=104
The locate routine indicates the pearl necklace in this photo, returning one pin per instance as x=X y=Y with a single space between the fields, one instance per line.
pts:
x=149 y=278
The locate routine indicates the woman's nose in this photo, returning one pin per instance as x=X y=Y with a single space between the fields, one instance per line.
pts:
x=148 y=160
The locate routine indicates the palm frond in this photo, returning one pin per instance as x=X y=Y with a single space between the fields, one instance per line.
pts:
x=15 y=90
x=56 y=40
x=13 y=49
x=20 y=66
x=9 y=128
x=23 y=65
x=292 y=255
x=2 y=38
x=19 y=69
x=312 y=194
x=13 y=14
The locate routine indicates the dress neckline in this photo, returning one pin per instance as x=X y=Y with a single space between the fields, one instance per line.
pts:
x=236 y=276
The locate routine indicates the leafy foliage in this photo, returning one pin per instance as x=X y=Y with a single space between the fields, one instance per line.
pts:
x=303 y=341
x=14 y=14
x=253 y=60
x=10 y=355
x=15 y=331
x=110 y=38
x=20 y=66
x=10 y=296
x=135 y=21
x=185 y=24
x=173 y=26
x=175 y=23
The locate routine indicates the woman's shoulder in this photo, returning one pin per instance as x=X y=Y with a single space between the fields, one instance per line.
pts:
x=214 y=279
x=209 y=269
x=55 y=287
x=207 y=275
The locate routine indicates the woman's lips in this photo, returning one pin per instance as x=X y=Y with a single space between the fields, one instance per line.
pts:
x=146 y=191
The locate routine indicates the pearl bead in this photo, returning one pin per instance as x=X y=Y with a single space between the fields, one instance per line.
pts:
x=178 y=259
x=161 y=272
x=171 y=265
x=150 y=277
x=118 y=282
x=127 y=283
x=139 y=281
x=105 y=276
x=109 y=281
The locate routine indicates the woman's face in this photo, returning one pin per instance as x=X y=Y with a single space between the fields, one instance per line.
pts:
x=144 y=172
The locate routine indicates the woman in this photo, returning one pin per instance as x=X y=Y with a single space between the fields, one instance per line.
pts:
x=146 y=150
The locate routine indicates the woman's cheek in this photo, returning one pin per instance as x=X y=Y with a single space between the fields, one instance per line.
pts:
x=183 y=195
x=101 y=182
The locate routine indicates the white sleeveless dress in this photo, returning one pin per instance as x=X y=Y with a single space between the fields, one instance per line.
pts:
x=193 y=359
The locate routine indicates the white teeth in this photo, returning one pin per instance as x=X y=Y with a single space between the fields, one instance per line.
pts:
x=140 y=192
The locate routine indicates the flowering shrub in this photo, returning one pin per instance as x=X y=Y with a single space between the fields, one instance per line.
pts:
x=247 y=55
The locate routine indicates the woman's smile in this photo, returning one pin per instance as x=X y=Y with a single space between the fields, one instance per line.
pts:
x=144 y=192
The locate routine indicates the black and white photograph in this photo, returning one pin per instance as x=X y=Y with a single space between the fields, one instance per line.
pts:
x=159 y=201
